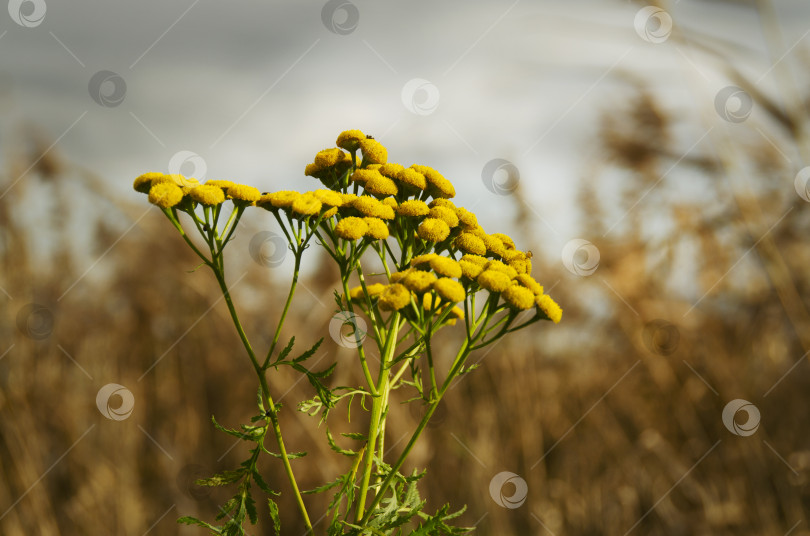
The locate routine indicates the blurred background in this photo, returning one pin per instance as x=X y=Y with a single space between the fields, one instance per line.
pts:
x=651 y=156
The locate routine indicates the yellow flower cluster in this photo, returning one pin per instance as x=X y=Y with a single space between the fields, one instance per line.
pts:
x=411 y=203
x=167 y=191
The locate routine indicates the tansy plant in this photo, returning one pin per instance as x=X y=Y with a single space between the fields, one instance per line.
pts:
x=440 y=269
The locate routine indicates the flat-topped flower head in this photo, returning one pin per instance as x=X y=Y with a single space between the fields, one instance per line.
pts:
x=165 y=194
x=449 y=290
x=377 y=184
x=391 y=170
x=377 y=228
x=143 y=183
x=446 y=266
x=422 y=260
x=441 y=202
x=350 y=140
x=469 y=269
x=372 y=207
x=397 y=277
x=372 y=291
x=394 y=297
x=351 y=228
x=419 y=281
x=306 y=205
x=506 y=240
x=373 y=152
x=433 y=230
x=549 y=307
x=328 y=158
x=281 y=199
x=438 y=186
x=329 y=198
x=466 y=218
x=445 y=214
x=412 y=178
x=207 y=195
x=519 y=297
x=413 y=208
x=498 y=266
x=224 y=184
x=493 y=244
x=242 y=192
x=469 y=243
x=530 y=283
x=494 y=281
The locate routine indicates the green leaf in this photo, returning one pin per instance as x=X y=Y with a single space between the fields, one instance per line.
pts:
x=339 y=480
x=334 y=446
x=231 y=431
x=309 y=353
x=274 y=516
x=355 y=435
x=221 y=479
x=188 y=520
x=250 y=507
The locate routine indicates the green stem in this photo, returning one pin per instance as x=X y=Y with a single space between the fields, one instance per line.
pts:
x=272 y=412
x=378 y=410
x=461 y=358
x=290 y=294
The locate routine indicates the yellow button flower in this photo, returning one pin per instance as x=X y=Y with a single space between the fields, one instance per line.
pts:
x=391 y=170
x=419 y=281
x=494 y=281
x=433 y=230
x=445 y=214
x=475 y=259
x=413 y=208
x=373 y=208
x=450 y=290
x=530 y=283
x=422 y=259
x=493 y=244
x=440 y=202
x=357 y=294
x=373 y=152
x=438 y=186
x=328 y=158
x=242 y=192
x=143 y=183
x=396 y=277
x=551 y=309
x=466 y=218
x=306 y=204
x=411 y=177
x=469 y=243
x=507 y=241
x=376 y=228
x=351 y=228
x=498 y=266
x=519 y=297
x=329 y=198
x=280 y=199
x=390 y=202
x=207 y=195
x=350 y=139
x=165 y=195
x=394 y=297
x=445 y=266
x=470 y=270
x=379 y=185
x=221 y=183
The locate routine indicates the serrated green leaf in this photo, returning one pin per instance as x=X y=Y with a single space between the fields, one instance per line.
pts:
x=355 y=435
x=250 y=508
x=335 y=447
x=231 y=431
x=309 y=353
x=188 y=520
x=274 y=516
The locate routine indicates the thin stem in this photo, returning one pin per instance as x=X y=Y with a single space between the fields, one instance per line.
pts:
x=290 y=294
x=272 y=412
